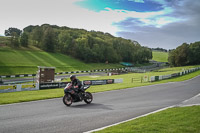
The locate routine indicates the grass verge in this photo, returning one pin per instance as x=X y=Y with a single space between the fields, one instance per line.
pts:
x=25 y=96
x=173 y=120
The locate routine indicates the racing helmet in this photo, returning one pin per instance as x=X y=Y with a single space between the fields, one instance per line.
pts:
x=72 y=77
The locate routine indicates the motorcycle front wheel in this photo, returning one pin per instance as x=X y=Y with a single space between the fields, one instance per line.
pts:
x=88 y=97
x=67 y=99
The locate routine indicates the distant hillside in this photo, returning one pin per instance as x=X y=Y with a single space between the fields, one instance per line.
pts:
x=160 y=56
x=88 y=46
x=26 y=61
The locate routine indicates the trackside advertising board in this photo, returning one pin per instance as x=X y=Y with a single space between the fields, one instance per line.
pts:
x=41 y=86
x=86 y=82
x=98 y=82
x=53 y=85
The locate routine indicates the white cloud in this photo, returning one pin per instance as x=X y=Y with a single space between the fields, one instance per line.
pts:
x=162 y=2
x=139 y=1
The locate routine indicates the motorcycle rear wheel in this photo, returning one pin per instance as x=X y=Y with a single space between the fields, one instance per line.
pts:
x=88 y=97
x=67 y=99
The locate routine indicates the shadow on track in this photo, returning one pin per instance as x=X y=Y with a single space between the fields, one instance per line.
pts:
x=92 y=106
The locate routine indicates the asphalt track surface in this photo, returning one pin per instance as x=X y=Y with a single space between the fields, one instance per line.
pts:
x=52 y=116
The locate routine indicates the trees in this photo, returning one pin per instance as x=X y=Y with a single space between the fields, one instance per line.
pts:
x=89 y=46
x=24 y=39
x=64 y=40
x=14 y=39
x=171 y=57
x=194 y=53
x=185 y=55
x=181 y=58
x=48 y=40
x=13 y=32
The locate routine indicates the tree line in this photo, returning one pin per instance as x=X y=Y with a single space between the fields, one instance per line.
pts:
x=17 y=38
x=186 y=54
x=88 y=46
x=159 y=49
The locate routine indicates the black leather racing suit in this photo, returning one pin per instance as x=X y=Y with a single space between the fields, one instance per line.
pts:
x=77 y=82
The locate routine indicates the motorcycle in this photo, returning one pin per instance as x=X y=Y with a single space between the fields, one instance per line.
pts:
x=73 y=95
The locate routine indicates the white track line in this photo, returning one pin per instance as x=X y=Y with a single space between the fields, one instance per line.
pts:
x=189 y=105
x=198 y=95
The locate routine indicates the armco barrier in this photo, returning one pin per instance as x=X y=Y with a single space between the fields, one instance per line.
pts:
x=152 y=79
x=15 y=76
x=156 y=78
x=89 y=71
x=161 y=77
x=166 y=76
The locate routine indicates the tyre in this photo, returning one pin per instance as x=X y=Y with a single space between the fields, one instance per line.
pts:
x=88 y=97
x=67 y=99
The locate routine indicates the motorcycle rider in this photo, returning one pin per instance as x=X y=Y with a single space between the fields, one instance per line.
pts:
x=77 y=85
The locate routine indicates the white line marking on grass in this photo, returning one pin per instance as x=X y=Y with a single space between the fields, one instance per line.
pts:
x=189 y=105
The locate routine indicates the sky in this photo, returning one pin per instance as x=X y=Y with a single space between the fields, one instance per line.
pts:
x=153 y=23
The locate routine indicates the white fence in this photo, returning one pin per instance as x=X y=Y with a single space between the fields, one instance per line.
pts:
x=161 y=77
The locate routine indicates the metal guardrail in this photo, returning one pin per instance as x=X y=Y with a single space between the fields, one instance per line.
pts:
x=73 y=72
x=162 y=77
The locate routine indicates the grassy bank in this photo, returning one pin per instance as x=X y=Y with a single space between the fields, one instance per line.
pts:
x=25 y=61
x=15 y=97
x=174 y=120
x=160 y=56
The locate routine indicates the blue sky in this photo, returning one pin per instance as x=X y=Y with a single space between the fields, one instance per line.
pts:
x=129 y=5
x=153 y=23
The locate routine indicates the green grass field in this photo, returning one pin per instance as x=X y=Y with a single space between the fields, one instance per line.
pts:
x=15 y=97
x=160 y=56
x=173 y=120
x=26 y=62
